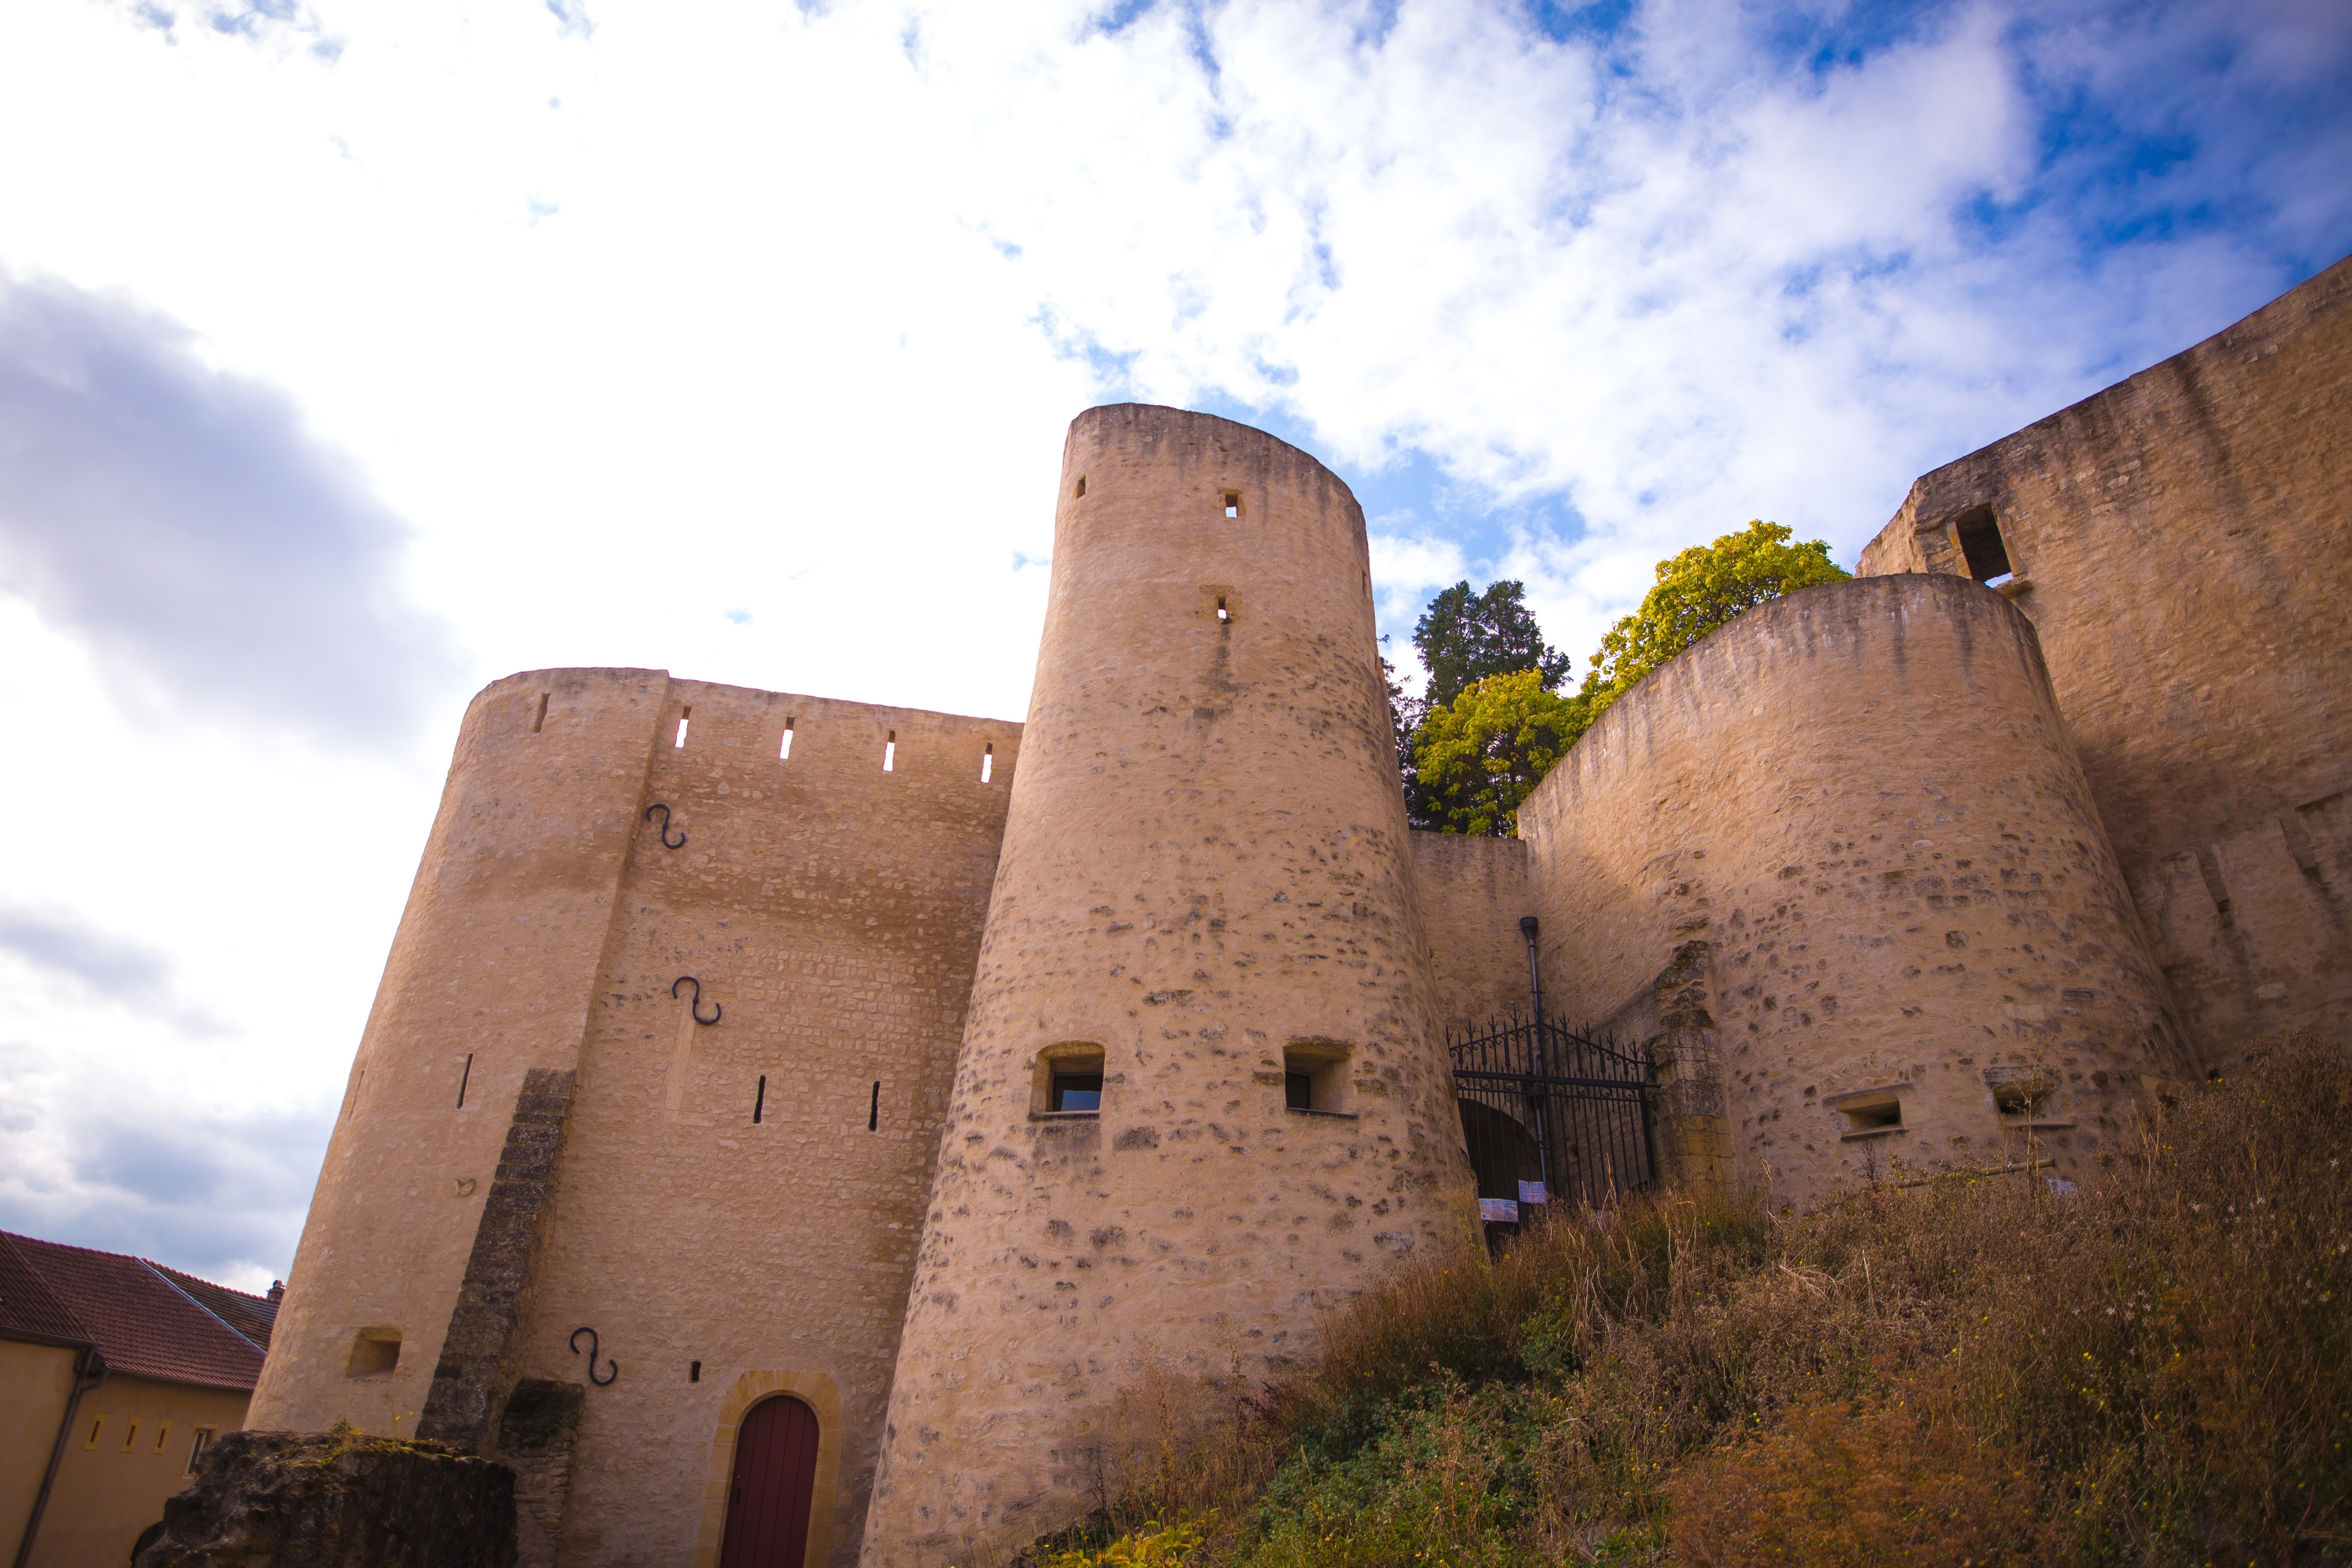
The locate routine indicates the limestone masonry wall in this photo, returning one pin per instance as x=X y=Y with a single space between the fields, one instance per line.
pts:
x=1205 y=874
x=1474 y=892
x=2180 y=543
x=831 y=911
x=1862 y=800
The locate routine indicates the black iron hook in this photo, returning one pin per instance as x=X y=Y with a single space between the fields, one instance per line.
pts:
x=613 y=1368
x=664 y=827
x=694 y=1006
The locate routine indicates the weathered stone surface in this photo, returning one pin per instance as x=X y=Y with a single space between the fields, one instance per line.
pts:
x=290 y=1500
x=1206 y=864
x=2180 y=545
x=1847 y=836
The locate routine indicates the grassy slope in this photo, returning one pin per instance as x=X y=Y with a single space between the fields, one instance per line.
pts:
x=2155 y=1370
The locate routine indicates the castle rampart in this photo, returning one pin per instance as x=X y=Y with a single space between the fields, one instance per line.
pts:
x=732 y=1207
x=2180 y=543
x=1206 y=888
x=1849 y=829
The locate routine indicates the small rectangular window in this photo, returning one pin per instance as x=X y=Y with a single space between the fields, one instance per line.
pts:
x=784 y=753
x=1314 y=1074
x=890 y=753
x=694 y=1372
x=540 y=717
x=1982 y=546
x=373 y=1351
x=1081 y=489
x=1298 y=1091
x=129 y=1436
x=1223 y=615
x=683 y=715
x=1878 y=1111
x=1077 y=1091
x=97 y=1425
x=203 y=1440
x=464 y=1078
x=1233 y=503
x=162 y=1435
x=760 y=1100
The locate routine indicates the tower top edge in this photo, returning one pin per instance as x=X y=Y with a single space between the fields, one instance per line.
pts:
x=1165 y=417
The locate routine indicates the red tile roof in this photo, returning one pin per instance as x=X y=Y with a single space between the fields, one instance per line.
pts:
x=144 y=1321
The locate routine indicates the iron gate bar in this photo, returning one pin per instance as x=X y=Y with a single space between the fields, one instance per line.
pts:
x=1582 y=1133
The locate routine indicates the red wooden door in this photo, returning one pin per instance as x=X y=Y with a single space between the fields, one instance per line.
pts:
x=775 y=1481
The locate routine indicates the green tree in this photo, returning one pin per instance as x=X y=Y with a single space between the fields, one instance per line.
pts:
x=1464 y=637
x=1481 y=753
x=1700 y=590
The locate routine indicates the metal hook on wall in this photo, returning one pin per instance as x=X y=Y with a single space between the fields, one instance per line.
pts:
x=694 y=1006
x=612 y=1367
x=667 y=842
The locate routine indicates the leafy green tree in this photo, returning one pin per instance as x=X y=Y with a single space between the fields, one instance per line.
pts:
x=1700 y=590
x=1481 y=754
x=1464 y=637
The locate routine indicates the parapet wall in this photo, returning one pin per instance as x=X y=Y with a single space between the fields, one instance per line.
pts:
x=2179 y=542
x=1860 y=803
x=1474 y=892
x=727 y=1237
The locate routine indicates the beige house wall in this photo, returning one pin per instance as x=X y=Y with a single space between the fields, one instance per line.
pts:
x=1474 y=892
x=128 y=1450
x=1206 y=864
x=39 y=1379
x=1861 y=802
x=2179 y=544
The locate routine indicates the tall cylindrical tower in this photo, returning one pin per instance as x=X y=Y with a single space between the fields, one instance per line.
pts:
x=1199 y=1093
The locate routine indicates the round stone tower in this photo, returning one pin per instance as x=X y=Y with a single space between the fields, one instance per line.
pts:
x=1199 y=1095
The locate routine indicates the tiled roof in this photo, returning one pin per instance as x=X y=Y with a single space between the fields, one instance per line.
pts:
x=26 y=1305
x=249 y=1315
x=144 y=1324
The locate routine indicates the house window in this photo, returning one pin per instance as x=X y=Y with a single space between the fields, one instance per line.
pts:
x=196 y=1449
x=1983 y=547
x=1077 y=1091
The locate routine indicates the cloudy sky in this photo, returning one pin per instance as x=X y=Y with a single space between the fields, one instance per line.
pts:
x=353 y=355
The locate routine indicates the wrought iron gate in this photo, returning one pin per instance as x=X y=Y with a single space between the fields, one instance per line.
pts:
x=1543 y=1102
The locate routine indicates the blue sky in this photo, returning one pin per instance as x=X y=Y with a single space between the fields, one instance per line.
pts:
x=353 y=355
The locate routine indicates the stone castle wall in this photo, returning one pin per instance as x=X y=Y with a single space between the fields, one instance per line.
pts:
x=1474 y=892
x=2179 y=542
x=1860 y=803
x=831 y=911
x=1206 y=875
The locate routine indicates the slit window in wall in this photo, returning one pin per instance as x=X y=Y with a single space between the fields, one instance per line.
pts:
x=540 y=717
x=784 y=751
x=1225 y=616
x=97 y=1425
x=694 y=1372
x=1233 y=503
x=464 y=1077
x=758 y=1106
x=874 y=1108
x=1081 y=489
x=683 y=715
x=1983 y=547
x=890 y=753
x=2023 y=1097
x=129 y=1436
x=162 y=1435
x=374 y=1351
x=1878 y=1111
x=987 y=761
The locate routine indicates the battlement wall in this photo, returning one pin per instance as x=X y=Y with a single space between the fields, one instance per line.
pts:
x=2177 y=541
x=830 y=911
x=1849 y=830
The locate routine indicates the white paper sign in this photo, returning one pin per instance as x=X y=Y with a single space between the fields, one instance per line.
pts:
x=1533 y=1192
x=1500 y=1210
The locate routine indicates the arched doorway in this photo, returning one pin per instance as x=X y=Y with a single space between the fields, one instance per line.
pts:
x=775 y=1478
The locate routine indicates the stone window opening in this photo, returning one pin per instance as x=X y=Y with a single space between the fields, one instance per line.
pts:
x=784 y=751
x=684 y=714
x=987 y=761
x=694 y=1372
x=1224 y=617
x=1069 y=1080
x=1983 y=547
x=1233 y=503
x=465 y=1077
x=374 y=1351
x=1315 y=1076
x=540 y=717
x=1080 y=491
x=1871 y=1113
x=760 y=1100
x=891 y=752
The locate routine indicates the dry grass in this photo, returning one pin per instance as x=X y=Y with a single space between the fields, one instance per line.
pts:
x=2155 y=1370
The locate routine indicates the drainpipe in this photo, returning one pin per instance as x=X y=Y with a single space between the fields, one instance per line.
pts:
x=89 y=1362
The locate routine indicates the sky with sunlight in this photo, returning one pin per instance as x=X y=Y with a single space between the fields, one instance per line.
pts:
x=353 y=354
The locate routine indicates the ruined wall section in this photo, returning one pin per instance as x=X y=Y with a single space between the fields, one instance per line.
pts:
x=1206 y=875
x=831 y=911
x=490 y=976
x=1847 y=832
x=1473 y=891
x=2179 y=542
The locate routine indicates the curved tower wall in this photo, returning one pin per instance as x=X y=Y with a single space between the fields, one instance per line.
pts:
x=1840 y=858
x=1204 y=866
